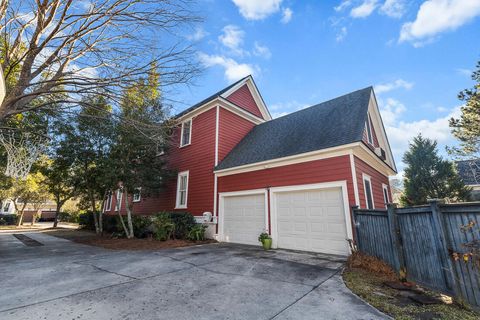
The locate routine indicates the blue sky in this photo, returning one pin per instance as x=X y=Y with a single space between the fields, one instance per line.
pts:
x=417 y=54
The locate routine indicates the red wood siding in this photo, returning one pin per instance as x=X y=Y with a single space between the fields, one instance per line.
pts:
x=199 y=159
x=377 y=179
x=243 y=98
x=232 y=128
x=325 y=170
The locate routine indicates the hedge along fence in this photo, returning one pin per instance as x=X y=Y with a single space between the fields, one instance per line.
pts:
x=421 y=241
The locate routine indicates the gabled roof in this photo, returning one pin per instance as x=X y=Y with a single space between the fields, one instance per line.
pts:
x=332 y=123
x=469 y=171
x=213 y=96
x=225 y=93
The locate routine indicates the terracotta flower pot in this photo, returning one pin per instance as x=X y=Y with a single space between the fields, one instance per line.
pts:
x=267 y=244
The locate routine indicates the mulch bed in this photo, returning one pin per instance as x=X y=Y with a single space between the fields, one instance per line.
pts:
x=377 y=283
x=90 y=238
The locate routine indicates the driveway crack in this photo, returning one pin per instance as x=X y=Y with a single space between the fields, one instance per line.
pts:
x=108 y=271
x=307 y=293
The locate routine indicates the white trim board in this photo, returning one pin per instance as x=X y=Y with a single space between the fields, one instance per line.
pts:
x=224 y=104
x=358 y=149
x=325 y=185
x=354 y=179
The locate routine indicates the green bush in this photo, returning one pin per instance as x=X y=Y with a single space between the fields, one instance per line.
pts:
x=112 y=224
x=67 y=216
x=197 y=233
x=85 y=220
x=163 y=226
x=184 y=222
x=142 y=226
x=8 y=219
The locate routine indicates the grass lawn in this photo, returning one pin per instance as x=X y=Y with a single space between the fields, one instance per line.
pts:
x=90 y=238
x=369 y=286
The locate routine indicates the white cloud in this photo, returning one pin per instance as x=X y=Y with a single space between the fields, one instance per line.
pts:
x=343 y=5
x=233 y=69
x=464 y=72
x=198 y=35
x=393 y=8
x=399 y=83
x=441 y=109
x=232 y=38
x=391 y=111
x=257 y=9
x=286 y=15
x=436 y=16
x=400 y=133
x=341 y=34
x=261 y=51
x=365 y=9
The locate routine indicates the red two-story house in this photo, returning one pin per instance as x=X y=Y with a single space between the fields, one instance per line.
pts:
x=296 y=176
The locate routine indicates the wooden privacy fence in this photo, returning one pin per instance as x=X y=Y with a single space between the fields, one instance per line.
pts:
x=421 y=240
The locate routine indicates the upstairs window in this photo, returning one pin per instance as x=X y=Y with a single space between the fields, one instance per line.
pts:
x=367 y=185
x=118 y=205
x=182 y=190
x=137 y=196
x=368 y=126
x=185 y=138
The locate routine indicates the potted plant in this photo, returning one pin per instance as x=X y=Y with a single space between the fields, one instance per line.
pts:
x=266 y=240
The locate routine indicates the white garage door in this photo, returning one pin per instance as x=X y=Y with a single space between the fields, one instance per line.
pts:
x=312 y=220
x=244 y=218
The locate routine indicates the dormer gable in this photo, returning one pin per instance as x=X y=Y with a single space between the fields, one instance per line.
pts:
x=241 y=97
x=245 y=94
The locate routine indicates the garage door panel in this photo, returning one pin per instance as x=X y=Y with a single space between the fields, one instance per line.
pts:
x=243 y=218
x=316 y=224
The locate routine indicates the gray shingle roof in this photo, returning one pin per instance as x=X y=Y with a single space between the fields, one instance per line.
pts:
x=213 y=96
x=332 y=123
x=469 y=171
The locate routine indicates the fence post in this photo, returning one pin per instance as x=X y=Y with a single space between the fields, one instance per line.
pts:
x=395 y=237
x=447 y=265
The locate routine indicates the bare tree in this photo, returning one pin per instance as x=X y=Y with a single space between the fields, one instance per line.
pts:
x=62 y=50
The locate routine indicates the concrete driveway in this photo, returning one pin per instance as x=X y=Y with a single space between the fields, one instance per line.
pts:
x=65 y=280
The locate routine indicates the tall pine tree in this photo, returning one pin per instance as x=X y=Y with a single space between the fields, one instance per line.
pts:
x=467 y=128
x=428 y=176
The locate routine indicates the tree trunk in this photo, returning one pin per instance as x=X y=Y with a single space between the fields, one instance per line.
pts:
x=100 y=214
x=94 y=211
x=20 y=220
x=57 y=211
x=121 y=218
x=129 y=213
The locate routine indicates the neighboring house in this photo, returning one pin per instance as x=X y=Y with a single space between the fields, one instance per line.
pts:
x=296 y=176
x=469 y=171
x=47 y=209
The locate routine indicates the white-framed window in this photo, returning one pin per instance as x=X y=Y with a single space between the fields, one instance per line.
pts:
x=368 y=126
x=108 y=202
x=367 y=186
x=186 y=134
x=182 y=190
x=386 y=197
x=118 y=205
x=137 y=194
